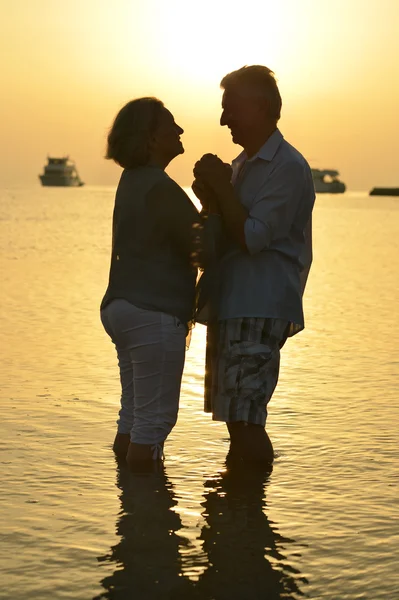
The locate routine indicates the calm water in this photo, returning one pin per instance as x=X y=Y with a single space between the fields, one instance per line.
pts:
x=324 y=525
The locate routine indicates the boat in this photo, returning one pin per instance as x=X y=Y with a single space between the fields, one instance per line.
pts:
x=384 y=192
x=326 y=181
x=60 y=172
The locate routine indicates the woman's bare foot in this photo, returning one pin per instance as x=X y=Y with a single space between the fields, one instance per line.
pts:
x=144 y=457
x=121 y=445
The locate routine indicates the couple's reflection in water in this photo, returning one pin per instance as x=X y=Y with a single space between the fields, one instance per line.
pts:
x=246 y=555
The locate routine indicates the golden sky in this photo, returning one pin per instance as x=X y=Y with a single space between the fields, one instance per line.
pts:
x=67 y=67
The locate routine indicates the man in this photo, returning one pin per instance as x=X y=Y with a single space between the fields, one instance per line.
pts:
x=255 y=300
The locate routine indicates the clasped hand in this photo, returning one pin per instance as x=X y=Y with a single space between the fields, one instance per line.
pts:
x=212 y=176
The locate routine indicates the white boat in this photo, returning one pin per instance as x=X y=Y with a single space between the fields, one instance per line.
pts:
x=326 y=181
x=60 y=172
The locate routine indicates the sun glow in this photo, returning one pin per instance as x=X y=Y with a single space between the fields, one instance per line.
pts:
x=200 y=43
x=65 y=77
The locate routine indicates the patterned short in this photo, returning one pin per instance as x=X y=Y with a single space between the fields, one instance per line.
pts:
x=242 y=367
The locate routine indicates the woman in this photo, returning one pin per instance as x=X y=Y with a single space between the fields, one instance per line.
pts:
x=149 y=300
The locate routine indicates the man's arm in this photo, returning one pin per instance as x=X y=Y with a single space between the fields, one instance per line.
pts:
x=233 y=213
x=274 y=212
x=272 y=215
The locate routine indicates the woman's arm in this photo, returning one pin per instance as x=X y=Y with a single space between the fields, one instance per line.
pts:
x=195 y=235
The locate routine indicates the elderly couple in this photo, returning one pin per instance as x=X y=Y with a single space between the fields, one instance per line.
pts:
x=252 y=242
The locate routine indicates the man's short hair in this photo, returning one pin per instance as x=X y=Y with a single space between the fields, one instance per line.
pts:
x=260 y=81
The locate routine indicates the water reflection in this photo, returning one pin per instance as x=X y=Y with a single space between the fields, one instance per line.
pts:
x=246 y=556
x=245 y=551
x=147 y=556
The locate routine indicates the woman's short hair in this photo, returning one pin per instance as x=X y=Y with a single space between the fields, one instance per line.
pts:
x=128 y=142
x=259 y=80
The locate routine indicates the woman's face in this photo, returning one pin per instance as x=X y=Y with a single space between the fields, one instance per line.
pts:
x=166 y=142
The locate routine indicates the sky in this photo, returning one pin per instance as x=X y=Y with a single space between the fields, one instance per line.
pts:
x=67 y=68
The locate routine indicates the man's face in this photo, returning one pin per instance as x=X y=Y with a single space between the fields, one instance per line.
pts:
x=243 y=114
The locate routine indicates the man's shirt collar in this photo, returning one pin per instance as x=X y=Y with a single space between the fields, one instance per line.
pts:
x=266 y=152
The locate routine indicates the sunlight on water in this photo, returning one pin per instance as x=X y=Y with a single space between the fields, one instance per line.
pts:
x=323 y=525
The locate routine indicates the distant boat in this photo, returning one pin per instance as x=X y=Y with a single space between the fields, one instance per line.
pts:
x=326 y=182
x=384 y=192
x=60 y=172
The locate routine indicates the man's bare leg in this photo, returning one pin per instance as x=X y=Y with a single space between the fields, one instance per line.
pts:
x=250 y=442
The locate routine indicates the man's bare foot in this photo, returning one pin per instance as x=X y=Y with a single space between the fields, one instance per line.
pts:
x=121 y=445
x=251 y=442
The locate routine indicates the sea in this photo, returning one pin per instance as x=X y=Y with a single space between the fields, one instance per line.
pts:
x=76 y=525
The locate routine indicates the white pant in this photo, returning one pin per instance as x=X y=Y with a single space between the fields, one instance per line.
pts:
x=151 y=351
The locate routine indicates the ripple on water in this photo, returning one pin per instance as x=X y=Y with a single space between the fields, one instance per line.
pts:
x=324 y=524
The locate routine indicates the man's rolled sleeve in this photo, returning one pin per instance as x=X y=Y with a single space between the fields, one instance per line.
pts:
x=273 y=213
